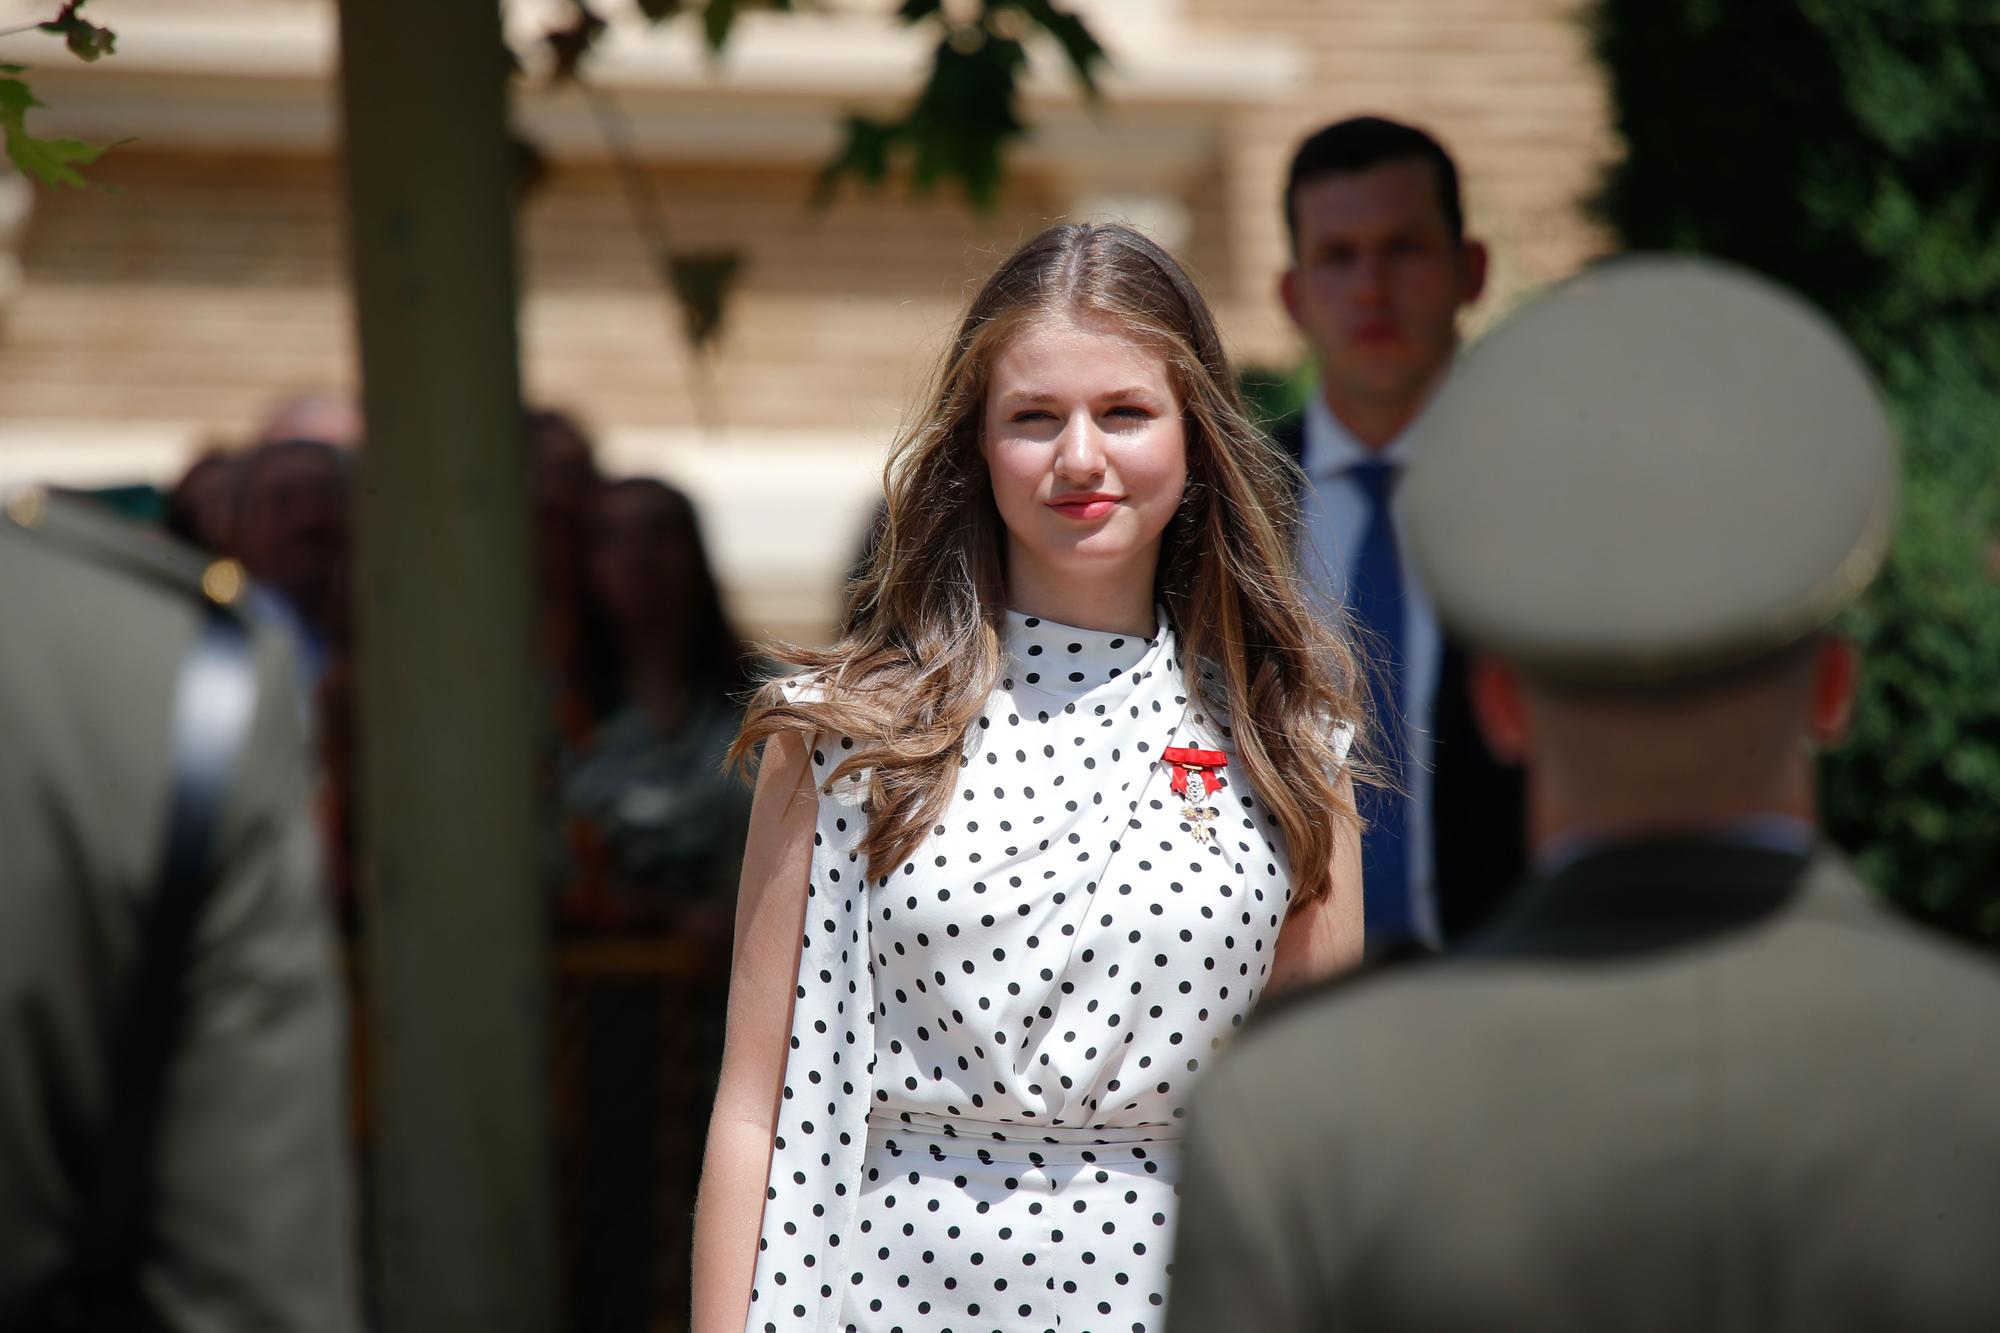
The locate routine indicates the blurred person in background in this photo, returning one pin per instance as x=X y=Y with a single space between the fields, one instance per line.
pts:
x=1381 y=269
x=201 y=508
x=292 y=534
x=332 y=418
x=575 y=645
x=656 y=828
x=173 y=1117
x=659 y=817
x=1697 y=1076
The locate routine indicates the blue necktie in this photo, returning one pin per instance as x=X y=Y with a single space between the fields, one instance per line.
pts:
x=1375 y=600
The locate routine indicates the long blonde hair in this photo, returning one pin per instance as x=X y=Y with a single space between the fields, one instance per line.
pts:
x=919 y=652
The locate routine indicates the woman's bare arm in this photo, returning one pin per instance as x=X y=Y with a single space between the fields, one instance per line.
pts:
x=770 y=915
x=1324 y=937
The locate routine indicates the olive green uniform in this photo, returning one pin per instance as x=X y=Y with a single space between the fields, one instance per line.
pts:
x=1692 y=1082
x=250 y=1225
x=1683 y=1086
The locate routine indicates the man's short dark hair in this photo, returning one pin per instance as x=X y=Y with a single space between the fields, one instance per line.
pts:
x=1369 y=141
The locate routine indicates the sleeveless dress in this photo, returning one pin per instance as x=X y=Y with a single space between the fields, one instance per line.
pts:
x=993 y=1044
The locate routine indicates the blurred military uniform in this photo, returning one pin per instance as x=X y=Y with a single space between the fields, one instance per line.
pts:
x=247 y=1223
x=1693 y=1079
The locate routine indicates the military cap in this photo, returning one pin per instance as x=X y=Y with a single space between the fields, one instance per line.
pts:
x=1663 y=468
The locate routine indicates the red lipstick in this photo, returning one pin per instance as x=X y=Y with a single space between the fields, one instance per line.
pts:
x=1084 y=505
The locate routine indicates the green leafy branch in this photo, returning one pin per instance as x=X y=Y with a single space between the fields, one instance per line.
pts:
x=699 y=281
x=962 y=122
x=957 y=130
x=51 y=162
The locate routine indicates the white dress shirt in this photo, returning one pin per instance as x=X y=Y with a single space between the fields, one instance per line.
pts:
x=1335 y=516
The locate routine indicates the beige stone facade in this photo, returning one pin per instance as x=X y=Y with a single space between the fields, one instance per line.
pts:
x=145 y=322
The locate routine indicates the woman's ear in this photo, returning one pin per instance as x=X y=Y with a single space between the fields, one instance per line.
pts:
x=1502 y=713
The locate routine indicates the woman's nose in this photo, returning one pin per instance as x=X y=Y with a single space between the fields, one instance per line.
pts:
x=1080 y=449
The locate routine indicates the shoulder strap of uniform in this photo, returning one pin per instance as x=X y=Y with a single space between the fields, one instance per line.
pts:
x=214 y=702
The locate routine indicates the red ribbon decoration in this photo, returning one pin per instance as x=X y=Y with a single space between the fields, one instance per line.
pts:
x=1207 y=764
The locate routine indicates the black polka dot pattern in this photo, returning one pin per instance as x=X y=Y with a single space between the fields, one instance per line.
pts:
x=1001 y=1034
x=1011 y=1236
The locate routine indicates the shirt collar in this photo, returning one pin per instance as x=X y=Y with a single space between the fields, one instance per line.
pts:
x=1770 y=832
x=1330 y=449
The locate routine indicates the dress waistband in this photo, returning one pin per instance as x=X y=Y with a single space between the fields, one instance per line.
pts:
x=990 y=1140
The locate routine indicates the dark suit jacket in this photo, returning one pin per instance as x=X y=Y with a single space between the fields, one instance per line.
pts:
x=1679 y=1086
x=1476 y=801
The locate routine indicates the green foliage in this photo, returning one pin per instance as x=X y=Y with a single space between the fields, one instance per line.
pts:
x=962 y=122
x=718 y=18
x=1846 y=147
x=1273 y=395
x=48 y=161
x=958 y=129
x=1916 y=791
x=51 y=162
x=701 y=281
x=86 y=41
x=571 y=40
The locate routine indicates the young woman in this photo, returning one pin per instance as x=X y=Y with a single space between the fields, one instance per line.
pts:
x=1030 y=841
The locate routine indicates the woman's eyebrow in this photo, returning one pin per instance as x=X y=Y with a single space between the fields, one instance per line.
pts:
x=1043 y=395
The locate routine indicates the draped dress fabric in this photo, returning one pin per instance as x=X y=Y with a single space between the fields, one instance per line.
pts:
x=993 y=1043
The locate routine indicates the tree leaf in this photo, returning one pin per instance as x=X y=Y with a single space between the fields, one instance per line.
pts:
x=866 y=145
x=717 y=18
x=571 y=42
x=960 y=125
x=1085 y=52
x=702 y=279
x=86 y=41
x=965 y=116
x=52 y=162
x=956 y=130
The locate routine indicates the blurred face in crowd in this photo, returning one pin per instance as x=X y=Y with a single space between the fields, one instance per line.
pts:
x=640 y=560
x=205 y=500
x=332 y=417
x=292 y=522
x=1378 y=281
x=1087 y=454
x=563 y=481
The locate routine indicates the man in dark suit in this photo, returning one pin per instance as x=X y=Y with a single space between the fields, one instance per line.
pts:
x=1381 y=268
x=1697 y=1076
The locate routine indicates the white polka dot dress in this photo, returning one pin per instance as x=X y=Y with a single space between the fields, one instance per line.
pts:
x=993 y=1044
